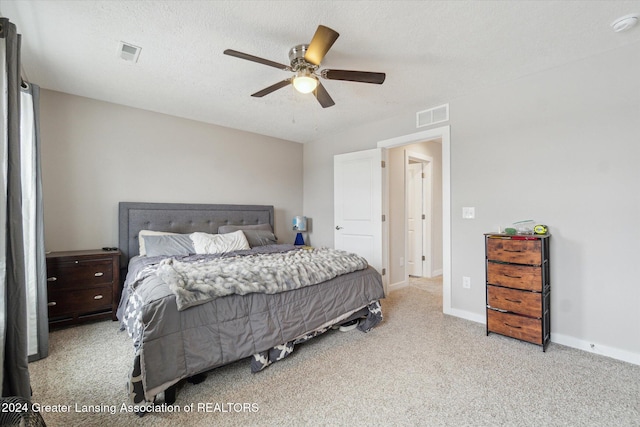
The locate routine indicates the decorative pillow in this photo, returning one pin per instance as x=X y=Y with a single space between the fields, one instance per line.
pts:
x=260 y=237
x=168 y=244
x=142 y=251
x=257 y=234
x=205 y=243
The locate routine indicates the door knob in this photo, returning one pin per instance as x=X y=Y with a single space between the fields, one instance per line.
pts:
x=338 y=227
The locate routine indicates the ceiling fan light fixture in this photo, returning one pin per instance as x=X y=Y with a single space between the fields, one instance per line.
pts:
x=625 y=23
x=305 y=82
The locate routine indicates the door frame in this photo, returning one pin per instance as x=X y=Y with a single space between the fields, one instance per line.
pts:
x=442 y=133
x=427 y=209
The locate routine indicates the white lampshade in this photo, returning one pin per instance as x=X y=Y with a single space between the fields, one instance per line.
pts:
x=305 y=83
x=300 y=223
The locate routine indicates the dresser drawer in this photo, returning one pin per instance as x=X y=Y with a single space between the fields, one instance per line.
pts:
x=79 y=273
x=521 y=302
x=512 y=325
x=79 y=301
x=515 y=251
x=515 y=276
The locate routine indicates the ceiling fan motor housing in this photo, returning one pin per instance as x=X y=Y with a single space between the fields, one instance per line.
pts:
x=296 y=56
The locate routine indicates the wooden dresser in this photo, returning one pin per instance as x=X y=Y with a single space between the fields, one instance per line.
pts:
x=518 y=287
x=82 y=286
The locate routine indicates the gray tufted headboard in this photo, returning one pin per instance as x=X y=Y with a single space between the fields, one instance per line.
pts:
x=182 y=218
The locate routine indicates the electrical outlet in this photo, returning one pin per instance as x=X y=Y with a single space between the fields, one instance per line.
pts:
x=401 y=261
x=468 y=213
x=466 y=282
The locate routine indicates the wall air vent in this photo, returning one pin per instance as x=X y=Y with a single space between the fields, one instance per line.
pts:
x=129 y=52
x=432 y=116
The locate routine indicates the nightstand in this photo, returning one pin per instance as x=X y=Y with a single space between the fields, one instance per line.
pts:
x=82 y=286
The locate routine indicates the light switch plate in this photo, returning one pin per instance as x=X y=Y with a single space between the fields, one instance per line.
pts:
x=468 y=213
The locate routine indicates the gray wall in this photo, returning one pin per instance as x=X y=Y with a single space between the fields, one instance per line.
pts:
x=560 y=147
x=96 y=154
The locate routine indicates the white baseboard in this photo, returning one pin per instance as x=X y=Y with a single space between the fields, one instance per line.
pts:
x=398 y=285
x=614 y=353
x=474 y=317
x=436 y=273
x=603 y=350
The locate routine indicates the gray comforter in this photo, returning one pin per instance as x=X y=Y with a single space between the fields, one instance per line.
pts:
x=172 y=345
x=195 y=283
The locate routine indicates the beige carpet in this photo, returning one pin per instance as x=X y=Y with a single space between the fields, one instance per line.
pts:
x=419 y=367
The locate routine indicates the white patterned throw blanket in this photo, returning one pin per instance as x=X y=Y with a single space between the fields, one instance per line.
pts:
x=198 y=282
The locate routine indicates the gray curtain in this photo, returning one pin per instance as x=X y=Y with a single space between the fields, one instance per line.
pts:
x=19 y=259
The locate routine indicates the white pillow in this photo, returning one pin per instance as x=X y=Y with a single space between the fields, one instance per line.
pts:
x=142 y=250
x=205 y=243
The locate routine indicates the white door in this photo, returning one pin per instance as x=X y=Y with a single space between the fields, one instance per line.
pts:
x=414 y=219
x=358 y=204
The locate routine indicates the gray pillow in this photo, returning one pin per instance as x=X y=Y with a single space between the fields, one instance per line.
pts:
x=231 y=228
x=260 y=237
x=257 y=234
x=168 y=245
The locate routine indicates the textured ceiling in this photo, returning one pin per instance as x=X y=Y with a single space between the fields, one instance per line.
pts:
x=431 y=51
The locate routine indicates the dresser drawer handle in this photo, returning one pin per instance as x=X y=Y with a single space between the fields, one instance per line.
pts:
x=52 y=279
x=98 y=297
x=52 y=303
x=513 y=277
x=513 y=250
x=513 y=300
x=511 y=326
x=99 y=274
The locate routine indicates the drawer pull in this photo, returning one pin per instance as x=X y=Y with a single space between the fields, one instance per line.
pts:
x=51 y=304
x=99 y=274
x=52 y=279
x=512 y=277
x=513 y=300
x=511 y=326
x=98 y=297
x=513 y=250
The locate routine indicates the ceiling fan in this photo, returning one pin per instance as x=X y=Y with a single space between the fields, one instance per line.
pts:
x=305 y=62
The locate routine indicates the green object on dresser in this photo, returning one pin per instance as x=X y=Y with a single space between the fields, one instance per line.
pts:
x=510 y=231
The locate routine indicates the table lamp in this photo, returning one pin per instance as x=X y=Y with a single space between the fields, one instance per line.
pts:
x=299 y=224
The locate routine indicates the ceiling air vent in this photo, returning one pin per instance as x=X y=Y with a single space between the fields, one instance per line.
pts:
x=129 y=52
x=432 y=116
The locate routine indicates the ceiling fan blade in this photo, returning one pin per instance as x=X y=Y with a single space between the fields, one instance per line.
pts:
x=272 y=88
x=259 y=60
x=354 y=76
x=320 y=44
x=323 y=96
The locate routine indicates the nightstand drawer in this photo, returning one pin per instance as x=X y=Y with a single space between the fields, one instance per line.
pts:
x=515 y=301
x=79 y=301
x=515 y=251
x=512 y=325
x=514 y=276
x=79 y=273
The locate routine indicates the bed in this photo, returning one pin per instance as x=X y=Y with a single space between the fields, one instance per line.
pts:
x=181 y=328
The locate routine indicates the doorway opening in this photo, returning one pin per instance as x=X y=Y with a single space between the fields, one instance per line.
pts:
x=390 y=204
x=419 y=217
